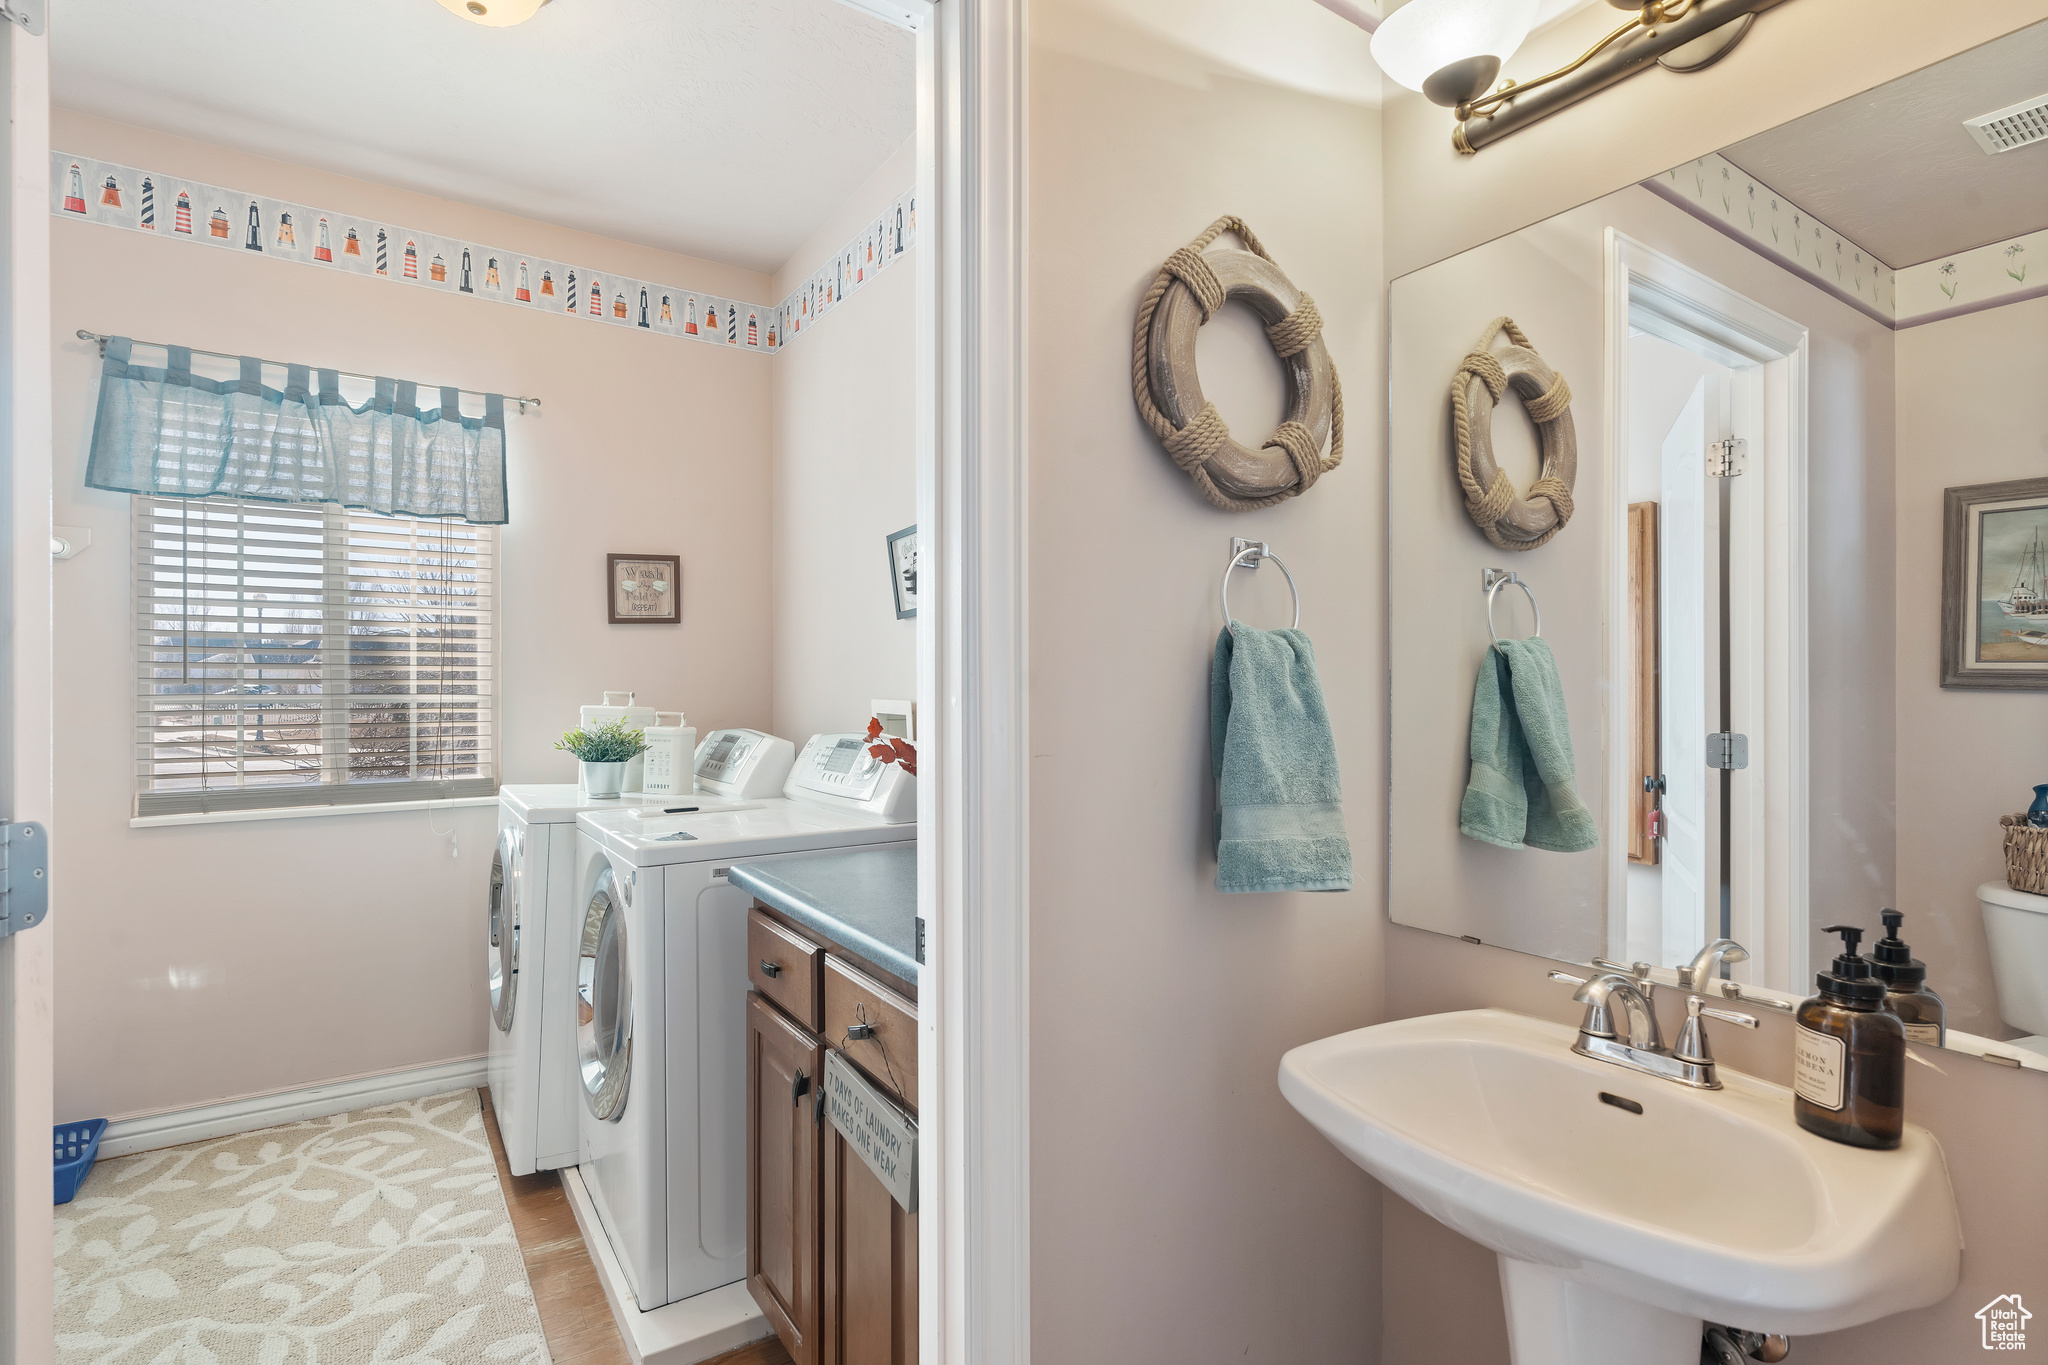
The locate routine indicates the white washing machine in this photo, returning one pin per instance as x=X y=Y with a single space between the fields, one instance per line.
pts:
x=530 y=921
x=661 y=985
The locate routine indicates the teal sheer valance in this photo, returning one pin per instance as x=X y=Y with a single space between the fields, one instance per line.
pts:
x=171 y=433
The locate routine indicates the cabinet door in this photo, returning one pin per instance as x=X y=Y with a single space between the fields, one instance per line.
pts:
x=870 y=1314
x=784 y=1066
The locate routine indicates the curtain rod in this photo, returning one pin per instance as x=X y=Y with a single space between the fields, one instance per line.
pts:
x=102 y=339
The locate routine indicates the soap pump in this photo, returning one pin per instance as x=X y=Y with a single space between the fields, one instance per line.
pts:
x=1849 y=1054
x=1905 y=982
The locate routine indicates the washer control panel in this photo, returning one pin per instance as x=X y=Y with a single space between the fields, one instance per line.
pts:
x=838 y=770
x=744 y=763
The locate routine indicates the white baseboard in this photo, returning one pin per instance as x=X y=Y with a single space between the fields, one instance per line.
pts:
x=681 y=1333
x=147 y=1132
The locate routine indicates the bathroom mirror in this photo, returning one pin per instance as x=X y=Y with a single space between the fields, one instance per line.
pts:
x=1807 y=387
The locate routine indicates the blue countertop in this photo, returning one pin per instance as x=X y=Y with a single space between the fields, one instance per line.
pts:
x=863 y=899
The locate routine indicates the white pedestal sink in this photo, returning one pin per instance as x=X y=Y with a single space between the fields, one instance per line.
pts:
x=1618 y=1231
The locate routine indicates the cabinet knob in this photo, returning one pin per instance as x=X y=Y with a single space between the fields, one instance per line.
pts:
x=770 y=968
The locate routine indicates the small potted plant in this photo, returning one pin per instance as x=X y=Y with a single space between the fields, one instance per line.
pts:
x=604 y=751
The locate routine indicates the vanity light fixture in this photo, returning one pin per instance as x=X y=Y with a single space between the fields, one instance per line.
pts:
x=1451 y=51
x=494 y=13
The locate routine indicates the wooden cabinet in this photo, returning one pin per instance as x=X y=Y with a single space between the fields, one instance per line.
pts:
x=870 y=1265
x=874 y=1026
x=785 y=1065
x=784 y=965
x=831 y=1255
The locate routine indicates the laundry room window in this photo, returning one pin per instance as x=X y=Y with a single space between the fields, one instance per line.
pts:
x=310 y=654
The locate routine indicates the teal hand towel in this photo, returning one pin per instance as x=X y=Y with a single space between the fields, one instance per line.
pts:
x=1280 y=814
x=1522 y=790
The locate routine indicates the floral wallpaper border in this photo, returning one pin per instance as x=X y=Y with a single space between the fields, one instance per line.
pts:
x=178 y=209
x=1717 y=190
x=1984 y=277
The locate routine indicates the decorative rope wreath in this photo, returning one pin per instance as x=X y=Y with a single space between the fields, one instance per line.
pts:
x=1189 y=288
x=1513 y=522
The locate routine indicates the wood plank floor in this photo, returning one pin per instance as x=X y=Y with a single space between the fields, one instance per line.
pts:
x=573 y=1312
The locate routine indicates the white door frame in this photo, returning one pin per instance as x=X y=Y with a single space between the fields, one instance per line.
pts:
x=27 y=1264
x=974 y=1260
x=1767 y=585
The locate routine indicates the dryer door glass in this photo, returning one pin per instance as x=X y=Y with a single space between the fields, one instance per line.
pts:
x=503 y=913
x=604 y=1001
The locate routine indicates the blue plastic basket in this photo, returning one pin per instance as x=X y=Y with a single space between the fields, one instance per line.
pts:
x=77 y=1144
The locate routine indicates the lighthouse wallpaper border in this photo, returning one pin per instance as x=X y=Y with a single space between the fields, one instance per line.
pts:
x=259 y=227
x=1994 y=586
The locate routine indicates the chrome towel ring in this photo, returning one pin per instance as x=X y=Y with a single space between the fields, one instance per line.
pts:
x=1496 y=579
x=1250 y=554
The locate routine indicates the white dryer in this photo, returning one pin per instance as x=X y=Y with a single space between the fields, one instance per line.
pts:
x=661 y=984
x=530 y=924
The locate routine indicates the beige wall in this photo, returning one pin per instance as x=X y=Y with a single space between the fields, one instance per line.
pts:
x=1798 y=58
x=197 y=963
x=844 y=398
x=1181 y=1210
x=1965 y=757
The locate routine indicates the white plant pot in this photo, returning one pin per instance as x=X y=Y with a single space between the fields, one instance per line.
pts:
x=603 y=779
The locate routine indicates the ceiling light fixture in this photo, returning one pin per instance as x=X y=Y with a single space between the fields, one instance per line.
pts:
x=494 y=13
x=1451 y=51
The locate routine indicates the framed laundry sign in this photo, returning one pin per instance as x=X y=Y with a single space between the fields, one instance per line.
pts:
x=643 y=590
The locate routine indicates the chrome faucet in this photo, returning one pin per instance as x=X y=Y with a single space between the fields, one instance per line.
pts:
x=1598 y=995
x=1707 y=962
x=1692 y=1063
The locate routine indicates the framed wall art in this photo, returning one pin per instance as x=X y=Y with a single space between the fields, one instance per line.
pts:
x=1994 y=585
x=643 y=590
x=903 y=571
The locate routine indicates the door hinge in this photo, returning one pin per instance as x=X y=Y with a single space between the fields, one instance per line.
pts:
x=30 y=14
x=1727 y=459
x=1727 y=751
x=920 y=938
x=24 y=876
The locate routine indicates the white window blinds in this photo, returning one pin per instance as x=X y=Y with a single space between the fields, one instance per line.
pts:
x=310 y=654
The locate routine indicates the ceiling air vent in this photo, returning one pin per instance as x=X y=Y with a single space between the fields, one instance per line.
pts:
x=2014 y=126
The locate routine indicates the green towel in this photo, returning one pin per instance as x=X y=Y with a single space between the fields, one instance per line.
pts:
x=1521 y=788
x=1280 y=817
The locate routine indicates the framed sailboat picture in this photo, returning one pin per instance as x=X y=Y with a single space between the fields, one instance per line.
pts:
x=1994 y=585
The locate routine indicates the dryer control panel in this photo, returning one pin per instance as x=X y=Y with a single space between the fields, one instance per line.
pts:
x=838 y=770
x=743 y=763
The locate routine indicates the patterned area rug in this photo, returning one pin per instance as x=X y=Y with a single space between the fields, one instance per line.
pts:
x=374 y=1236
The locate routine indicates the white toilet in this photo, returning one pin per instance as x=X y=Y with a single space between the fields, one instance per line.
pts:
x=2016 y=926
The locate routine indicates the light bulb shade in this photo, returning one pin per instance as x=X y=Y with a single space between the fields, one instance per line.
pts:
x=494 y=13
x=1463 y=41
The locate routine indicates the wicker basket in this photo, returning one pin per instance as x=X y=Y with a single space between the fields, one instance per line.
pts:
x=2026 y=855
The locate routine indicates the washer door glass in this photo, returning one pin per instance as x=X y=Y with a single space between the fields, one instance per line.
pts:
x=604 y=1000
x=503 y=912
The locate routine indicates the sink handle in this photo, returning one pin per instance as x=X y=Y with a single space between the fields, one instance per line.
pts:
x=1730 y=1017
x=1568 y=978
x=1692 y=1038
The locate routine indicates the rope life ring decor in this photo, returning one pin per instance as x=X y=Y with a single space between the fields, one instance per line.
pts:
x=1510 y=520
x=1189 y=288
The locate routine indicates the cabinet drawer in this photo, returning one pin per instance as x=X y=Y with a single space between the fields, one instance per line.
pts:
x=784 y=967
x=889 y=1056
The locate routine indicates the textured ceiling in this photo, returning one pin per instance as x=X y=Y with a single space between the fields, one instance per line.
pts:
x=716 y=128
x=1893 y=169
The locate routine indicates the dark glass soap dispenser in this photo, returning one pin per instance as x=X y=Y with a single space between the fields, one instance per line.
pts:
x=1849 y=1055
x=1905 y=985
